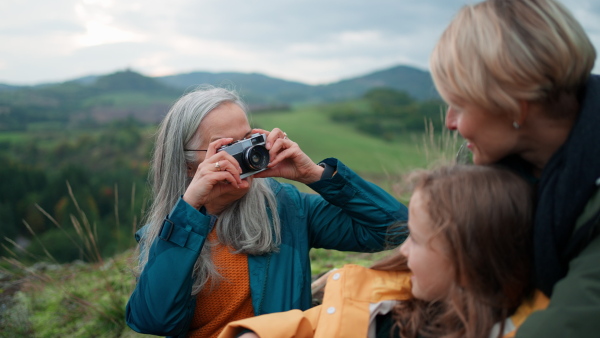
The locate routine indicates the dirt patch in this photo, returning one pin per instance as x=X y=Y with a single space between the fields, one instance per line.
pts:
x=9 y=285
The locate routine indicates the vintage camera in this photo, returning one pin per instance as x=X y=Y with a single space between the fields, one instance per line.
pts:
x=250 y=153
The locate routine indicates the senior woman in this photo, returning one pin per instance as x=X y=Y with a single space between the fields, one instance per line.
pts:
x=516 y=75
x=231 y=248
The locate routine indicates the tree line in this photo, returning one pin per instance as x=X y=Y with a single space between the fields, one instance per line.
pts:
x=387 y=113
x=49 y=179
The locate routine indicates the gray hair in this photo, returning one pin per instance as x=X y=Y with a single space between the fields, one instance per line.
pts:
x=245 y=225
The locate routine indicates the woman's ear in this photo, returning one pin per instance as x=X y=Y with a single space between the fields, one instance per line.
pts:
x=521 y=116
x=191 y=170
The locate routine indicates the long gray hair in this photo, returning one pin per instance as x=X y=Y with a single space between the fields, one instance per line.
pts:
x=245 y=225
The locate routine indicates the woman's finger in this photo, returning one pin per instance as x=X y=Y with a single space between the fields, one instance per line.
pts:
x=216 y=172
x=228 y=166
x=226 y=162
x=260 y=131
x=226 y=176
x=273 y=136
x=280 y=145
x=214 y=146
x=283 y=149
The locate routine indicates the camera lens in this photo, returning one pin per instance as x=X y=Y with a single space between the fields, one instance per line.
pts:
x=256 y=157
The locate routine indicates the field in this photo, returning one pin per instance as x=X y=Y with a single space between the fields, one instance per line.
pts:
x=320 y=138
x=382 y=162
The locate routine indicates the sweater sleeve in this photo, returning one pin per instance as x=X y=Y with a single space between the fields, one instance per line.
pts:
x=161 y=303
x=351 y=214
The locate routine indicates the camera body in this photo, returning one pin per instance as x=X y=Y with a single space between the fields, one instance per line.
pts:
x=251 y=154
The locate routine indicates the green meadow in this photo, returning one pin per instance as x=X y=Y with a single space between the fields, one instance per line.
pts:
x=319 y=138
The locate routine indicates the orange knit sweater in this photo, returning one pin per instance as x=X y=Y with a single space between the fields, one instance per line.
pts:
x=227 y=301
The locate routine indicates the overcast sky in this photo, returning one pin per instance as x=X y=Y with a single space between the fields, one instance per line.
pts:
x=311 y=41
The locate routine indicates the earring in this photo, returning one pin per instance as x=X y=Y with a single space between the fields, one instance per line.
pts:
x=516 y=125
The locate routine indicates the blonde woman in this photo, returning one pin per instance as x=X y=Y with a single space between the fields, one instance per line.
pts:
x=516 y=75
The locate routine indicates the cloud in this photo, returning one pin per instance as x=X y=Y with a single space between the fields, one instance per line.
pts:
x=313 y=41
x=100 y=27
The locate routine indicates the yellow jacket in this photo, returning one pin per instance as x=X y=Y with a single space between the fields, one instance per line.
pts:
x=354 y=295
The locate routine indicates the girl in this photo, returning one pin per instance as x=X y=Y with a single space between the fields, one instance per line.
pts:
x=463 y=271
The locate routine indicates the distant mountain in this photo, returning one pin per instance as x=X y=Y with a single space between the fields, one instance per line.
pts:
x=87 y=80
x=130 y=81
x=95 y=99
x=417 y=83
x=6 y=87
x=258 y=88
x=264 y=90
x=254 y=87
x=116 y=96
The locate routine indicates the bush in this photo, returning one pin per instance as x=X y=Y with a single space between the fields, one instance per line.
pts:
x=388 y=113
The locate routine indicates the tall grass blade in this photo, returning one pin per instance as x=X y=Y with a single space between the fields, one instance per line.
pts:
x=40 y=242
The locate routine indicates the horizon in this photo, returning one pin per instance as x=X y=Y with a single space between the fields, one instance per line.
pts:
x=210 y=72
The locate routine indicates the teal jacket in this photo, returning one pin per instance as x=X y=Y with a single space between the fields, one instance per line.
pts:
x=348 y=214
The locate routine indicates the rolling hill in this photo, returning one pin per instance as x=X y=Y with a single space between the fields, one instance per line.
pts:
x=91 y=100
x=263 y=89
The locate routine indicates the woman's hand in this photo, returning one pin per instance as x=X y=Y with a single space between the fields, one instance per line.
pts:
x=287 y=159
x=216 y=182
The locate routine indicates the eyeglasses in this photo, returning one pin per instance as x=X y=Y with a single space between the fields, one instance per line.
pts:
x=245 y=138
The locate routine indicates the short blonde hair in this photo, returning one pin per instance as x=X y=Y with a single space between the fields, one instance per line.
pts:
x=498 y=52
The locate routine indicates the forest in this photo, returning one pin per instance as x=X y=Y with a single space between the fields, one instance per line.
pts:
x=46 y=172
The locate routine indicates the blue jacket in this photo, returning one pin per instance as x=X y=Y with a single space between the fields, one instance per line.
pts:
x=348 y=214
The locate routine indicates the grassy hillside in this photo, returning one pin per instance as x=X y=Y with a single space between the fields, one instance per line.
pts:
x=377 y=160
x=319 y=137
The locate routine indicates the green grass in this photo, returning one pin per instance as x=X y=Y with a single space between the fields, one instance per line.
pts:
x=323 y=260
x=43 y=126
x=48 y=139
x=14 y=136
x=374 y=159
x=72 y=300
x=320 y=138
